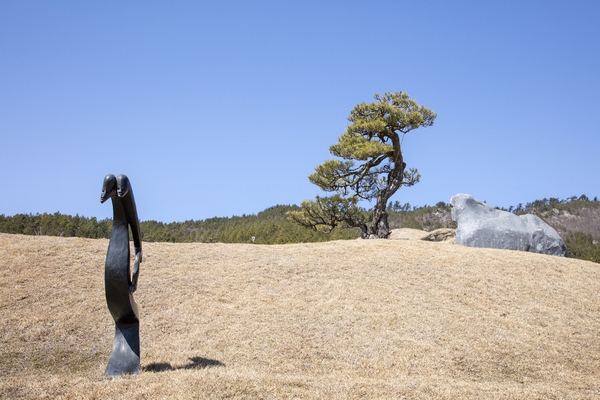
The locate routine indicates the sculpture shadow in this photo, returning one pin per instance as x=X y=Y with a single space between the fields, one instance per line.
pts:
x=195 y=363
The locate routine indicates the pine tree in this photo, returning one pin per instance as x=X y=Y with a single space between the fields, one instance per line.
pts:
x=372 y=167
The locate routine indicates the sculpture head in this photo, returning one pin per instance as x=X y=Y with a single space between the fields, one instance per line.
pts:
x=109 y=188
x=123 y=185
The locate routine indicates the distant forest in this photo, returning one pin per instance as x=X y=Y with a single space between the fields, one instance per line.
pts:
x=267 y=227
x=577 y=220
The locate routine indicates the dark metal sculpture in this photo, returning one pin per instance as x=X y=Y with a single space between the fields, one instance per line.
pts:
x=118 y=280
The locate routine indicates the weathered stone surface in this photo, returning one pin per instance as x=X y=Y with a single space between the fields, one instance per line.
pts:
x=407 y=234
x=479 y=225
x=440 y=235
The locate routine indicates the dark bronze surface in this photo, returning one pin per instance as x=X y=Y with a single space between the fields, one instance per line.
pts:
x=119 y=282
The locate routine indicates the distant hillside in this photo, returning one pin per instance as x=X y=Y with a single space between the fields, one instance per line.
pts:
x=426 y=218
x=576 y=219
x=569 y=217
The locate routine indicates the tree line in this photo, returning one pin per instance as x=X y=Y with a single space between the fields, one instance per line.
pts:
x=545 y=204
x=272 y=227
x=267 y=227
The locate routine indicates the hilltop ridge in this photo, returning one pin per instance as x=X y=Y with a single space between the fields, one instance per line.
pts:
x=576 y=219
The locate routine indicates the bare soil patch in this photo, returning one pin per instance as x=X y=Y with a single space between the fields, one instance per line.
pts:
x=336 y=320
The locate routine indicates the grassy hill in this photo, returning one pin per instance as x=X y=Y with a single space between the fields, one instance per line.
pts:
x=342 y=319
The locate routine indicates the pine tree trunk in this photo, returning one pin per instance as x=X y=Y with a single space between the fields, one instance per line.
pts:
x=378 y=228
x=383 y=228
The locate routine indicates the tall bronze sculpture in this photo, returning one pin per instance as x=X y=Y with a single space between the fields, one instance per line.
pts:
x=119 y=282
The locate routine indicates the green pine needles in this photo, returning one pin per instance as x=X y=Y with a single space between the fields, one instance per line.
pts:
x=372 y=167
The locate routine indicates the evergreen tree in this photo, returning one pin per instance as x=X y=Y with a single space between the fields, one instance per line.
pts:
x=372 y=167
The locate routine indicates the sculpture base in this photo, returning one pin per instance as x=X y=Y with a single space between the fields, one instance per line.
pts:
x=125 y=357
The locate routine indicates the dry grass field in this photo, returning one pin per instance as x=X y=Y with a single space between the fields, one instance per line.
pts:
x=387 y=319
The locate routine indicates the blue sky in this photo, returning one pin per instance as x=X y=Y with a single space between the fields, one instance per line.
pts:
x=225 y=108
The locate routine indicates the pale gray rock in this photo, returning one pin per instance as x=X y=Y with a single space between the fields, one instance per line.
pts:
x=479 y=225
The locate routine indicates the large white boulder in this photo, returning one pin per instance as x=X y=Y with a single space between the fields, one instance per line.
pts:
x=479 y=225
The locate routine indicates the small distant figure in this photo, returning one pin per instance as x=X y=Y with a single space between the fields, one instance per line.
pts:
x=253 y=239
x=119 y=282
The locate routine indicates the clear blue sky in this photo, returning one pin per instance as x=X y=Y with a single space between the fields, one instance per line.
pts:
x=224 y=108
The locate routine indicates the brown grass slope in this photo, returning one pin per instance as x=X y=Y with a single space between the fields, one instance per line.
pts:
x=345 y=319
